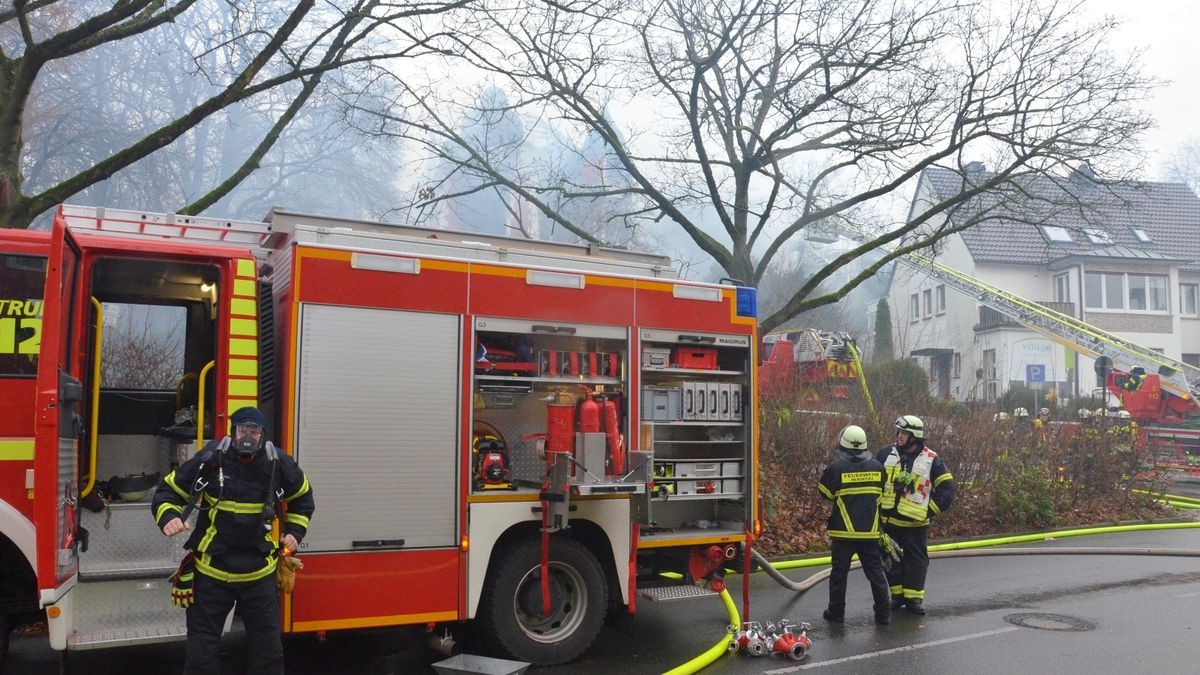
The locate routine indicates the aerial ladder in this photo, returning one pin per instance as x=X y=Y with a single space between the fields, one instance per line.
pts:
x=1180 y=381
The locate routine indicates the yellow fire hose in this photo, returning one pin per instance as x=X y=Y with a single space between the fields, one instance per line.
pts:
x=962 y=549
x=721 y=647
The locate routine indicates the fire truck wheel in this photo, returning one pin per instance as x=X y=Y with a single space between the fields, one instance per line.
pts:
x=5 y=629
x=510 y=613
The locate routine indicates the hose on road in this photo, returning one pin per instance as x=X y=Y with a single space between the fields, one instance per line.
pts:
x=966 y=549
x=977 y=549
x=716 y=651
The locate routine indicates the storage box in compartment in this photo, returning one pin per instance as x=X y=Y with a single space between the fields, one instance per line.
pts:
x=690 y=402
x=662 y=404
x=656 y=357
x=698 y=358
x=697 y=469
x=735 y=403
x=731 y=468
x=731 y=486
x=697 y=487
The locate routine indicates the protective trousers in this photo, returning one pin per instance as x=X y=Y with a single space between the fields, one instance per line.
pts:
x=907 y=580
x=258 y=606
x=872 y=566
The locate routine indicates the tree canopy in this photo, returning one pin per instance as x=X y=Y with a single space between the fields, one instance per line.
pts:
x=751 y=124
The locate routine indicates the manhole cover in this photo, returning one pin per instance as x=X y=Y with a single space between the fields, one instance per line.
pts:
x=1049 y=622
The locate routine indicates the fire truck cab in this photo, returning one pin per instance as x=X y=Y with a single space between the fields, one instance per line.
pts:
x=475 y=413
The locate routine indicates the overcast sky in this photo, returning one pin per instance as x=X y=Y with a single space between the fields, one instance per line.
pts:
x=1169 y=31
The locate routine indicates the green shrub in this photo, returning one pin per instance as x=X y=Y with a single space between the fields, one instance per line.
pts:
x=1026 y=495
x=898 y=385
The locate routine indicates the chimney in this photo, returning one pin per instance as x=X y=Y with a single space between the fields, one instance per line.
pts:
x=975 y=167
x=1084 y=172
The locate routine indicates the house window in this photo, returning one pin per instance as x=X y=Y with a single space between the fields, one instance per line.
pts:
x=989 y=364
x=1062 y=288
x=915 y=303
x=1097 y=236
x=1187 y=299
x=1147 y=292
x=927 y=303
x=1157 y=286
x=957 y=365
x=1136 y=292
x=1056 y=234
x=1141 y=235
x=941 y=299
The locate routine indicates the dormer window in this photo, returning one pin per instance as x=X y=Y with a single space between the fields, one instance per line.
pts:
x=1097 y=236
x=1141 y=235
x=1056 y=234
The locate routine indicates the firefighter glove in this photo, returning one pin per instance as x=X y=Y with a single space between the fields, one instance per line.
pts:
x=891 y=550
x=183 y=590
x=285 y=573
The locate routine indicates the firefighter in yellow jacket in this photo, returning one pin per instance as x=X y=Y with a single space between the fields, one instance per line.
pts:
x=917 y=486
x=236 y=484
x=854 y=483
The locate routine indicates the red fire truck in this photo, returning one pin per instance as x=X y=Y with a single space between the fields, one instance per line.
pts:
x=518 y=433
x=813 y=369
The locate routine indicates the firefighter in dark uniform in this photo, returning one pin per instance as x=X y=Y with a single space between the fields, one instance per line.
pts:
x=236 y=485
x=918 y=486
x=854 y=483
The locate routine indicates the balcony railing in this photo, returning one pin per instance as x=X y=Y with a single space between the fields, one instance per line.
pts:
x=991 y=319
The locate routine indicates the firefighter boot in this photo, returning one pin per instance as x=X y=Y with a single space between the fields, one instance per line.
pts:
x=835 y=614
x=897 y=601
x=916 y=607
x=883 y=616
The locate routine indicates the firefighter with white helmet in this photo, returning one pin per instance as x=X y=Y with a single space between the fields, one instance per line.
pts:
x=854 y=483
x=1041 y=424
x=918 y=486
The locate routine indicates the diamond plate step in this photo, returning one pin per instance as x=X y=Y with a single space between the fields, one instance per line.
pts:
x=124 y=612
x=123 y=542
x=123 y=637
x=672 y=592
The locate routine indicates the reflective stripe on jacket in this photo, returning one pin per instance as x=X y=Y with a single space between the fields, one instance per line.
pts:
x=232 y=536
x=854 y=483
x=931 y=489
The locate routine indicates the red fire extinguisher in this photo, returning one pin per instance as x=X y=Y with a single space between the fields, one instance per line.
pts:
x=616 y=441
x=589 y=416
x=560 y=426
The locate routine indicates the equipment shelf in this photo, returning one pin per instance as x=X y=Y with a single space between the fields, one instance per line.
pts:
x=691 y=371
x=535 y=379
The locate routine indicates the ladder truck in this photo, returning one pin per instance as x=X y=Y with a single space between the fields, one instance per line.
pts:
x=1159 y=392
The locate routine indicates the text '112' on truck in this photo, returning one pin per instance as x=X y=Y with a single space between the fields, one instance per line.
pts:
x=525 y=435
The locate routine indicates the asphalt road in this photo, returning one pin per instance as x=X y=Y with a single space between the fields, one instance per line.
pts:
x=1111 y=614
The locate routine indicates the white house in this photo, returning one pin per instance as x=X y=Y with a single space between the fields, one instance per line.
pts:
x=1125 y=257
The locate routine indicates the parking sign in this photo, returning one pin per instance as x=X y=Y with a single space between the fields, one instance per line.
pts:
x=1035 y=372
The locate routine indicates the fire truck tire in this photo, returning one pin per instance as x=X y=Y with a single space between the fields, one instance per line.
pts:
x=5 y=630
x=510 y=609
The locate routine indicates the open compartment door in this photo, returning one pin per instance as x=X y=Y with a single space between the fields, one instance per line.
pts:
x=59 y=424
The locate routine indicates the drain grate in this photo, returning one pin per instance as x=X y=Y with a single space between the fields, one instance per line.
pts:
x=1050 y=622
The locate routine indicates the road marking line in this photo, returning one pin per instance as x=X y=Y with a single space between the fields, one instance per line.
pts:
x=1189 y=595
x=906 y=648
